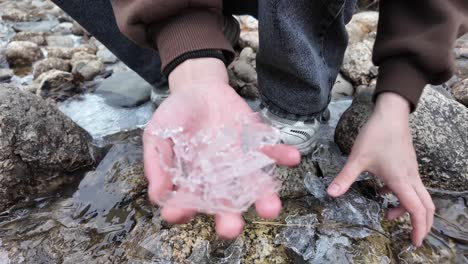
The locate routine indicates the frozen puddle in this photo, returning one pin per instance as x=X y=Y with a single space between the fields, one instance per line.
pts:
x=100 y=119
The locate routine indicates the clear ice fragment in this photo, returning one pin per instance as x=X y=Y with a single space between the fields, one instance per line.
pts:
x=220 y=169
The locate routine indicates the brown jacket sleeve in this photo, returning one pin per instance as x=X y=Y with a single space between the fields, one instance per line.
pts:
x=173 y=27
x=414 y=44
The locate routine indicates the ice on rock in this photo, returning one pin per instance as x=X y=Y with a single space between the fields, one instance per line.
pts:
x=221 y=169
x=303 y=236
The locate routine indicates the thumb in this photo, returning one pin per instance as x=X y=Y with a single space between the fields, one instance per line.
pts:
x=345 y=179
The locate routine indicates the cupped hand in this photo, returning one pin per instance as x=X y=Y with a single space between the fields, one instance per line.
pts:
x=384 y=148
x=201 y=99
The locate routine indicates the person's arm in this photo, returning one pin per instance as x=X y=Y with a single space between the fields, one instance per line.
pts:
x=414 y=45
x=177 y=29
x=413 y=48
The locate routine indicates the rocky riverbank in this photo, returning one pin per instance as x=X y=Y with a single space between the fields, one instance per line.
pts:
x=72 y=188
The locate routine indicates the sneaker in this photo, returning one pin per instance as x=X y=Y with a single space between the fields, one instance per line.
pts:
x=231 y=30
x=299 y=134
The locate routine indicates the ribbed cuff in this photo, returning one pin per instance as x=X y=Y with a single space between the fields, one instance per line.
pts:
x=190 y=31
x=193 y=55
x=400 y=76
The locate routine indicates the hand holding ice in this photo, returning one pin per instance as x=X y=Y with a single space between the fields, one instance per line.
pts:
x=221 y=169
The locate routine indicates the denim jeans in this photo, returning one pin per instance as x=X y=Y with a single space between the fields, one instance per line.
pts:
x=302 y=43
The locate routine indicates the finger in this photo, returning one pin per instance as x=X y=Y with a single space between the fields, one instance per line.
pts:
x=284 y=155
x=395 y=213
x=426 y=199
x=409 y=199
x=268 y=207
x=157 y=154
x=229 y=225
x=345 y=178
x=176 y=215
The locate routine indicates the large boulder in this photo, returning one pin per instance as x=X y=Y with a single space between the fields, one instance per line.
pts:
x=40 y=148
x=440 y=135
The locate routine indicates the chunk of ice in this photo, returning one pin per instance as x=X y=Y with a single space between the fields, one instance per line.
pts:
x=221 y=169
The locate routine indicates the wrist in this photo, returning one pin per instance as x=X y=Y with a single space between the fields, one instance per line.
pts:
x=389 y=102
x=200 y=70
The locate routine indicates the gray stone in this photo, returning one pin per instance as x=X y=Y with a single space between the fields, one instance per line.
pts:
x=40 y=26
x=126 y=89
x=106 y=56
x=5 y=74
x=57 y=85
x=461 y=68
x=88 y=69
x=60 y=41
x=59 y=52
x=15 y=15
x=22 y=53
x=86 y=48
x=460 y=92
x=249 y=39
x=244 y=71
x=64 y=28
x=51 y=64
x=342 y=88
x=357 y=63
x=362 y=26
x=40 y=148
x=440 y=136
x=34 y=37
x=248 y=55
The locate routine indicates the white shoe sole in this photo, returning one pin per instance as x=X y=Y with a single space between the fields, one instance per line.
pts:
x=307 y=147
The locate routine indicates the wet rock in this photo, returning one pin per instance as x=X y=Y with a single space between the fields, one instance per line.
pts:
x=331 y=229
x=40 y=147
x=34 y=37
x=51 y=64
x=100 y=119
x=39 y=26
x=293 y=178
x=440 y=133
x=22 y=53
x=5 y=74
x=126 y=89
x=118 y=178
x=460 y=92
x=60 y=41
x=357 y=63
x=342 y=88
x=57 y=85
x=61 y=53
